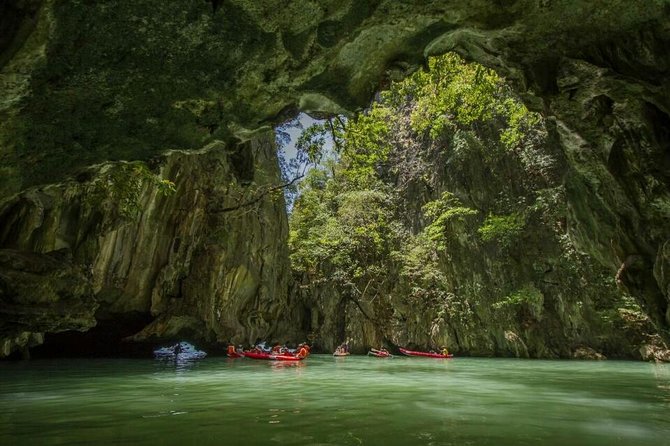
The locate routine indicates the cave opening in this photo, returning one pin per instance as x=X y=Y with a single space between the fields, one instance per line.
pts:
x=303 y=143
x=106 y=339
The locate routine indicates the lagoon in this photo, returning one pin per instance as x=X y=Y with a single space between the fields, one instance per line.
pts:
x=323 y=400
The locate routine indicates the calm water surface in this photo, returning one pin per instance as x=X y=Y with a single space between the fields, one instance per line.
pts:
x=334 y=401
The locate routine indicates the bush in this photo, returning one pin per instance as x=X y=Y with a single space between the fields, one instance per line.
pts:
x=504 y=229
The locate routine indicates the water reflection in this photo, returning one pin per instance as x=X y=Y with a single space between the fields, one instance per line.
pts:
x=178 y=363
x=280 y=365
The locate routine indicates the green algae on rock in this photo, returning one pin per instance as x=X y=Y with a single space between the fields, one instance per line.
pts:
x=83 y=83
x=207 y=262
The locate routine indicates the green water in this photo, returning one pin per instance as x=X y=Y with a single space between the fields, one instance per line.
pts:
x=334 y=401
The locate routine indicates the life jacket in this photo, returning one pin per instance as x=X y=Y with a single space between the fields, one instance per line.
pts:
x=302 y=353
x=231 y=350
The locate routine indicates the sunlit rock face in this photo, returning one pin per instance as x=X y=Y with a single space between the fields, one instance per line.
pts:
x=206 y=262
x=84 y=82
x=526 y=292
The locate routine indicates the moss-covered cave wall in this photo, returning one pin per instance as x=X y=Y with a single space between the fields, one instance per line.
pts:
x=83 y=82
x=455 y=239
x=207 y=262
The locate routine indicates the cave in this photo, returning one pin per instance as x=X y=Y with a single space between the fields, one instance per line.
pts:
x=87 y=92
x=105 y=340
x=499 y=186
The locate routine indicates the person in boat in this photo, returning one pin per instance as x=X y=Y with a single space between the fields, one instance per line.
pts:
x=339 y=351
x=231 y=350
x=303 y=351
x=258 y=346
x=177 y=348
x=445 y=352
x=381 y=352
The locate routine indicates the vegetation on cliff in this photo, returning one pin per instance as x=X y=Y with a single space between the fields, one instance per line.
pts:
x=443 y=222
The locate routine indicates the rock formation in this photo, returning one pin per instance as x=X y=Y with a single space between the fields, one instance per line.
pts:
x=84 y=82
x=206 y=262
x=480 y=257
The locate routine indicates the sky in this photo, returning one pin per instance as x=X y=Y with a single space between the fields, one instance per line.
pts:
x=294 y=129
x=304 y=121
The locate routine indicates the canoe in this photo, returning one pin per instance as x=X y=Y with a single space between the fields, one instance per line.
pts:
x=404 y=351
x=235 y=355
x=341 y=354
x=271 y=357
x=379 y=354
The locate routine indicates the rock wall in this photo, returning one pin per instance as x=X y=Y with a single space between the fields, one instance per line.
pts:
x=86 y=82
x=207 y=262
x=41 y=293
x=522 y=289
x=616 y=138
x=528 y=291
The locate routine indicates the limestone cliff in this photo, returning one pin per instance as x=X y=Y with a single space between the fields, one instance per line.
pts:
x=501 y=275
x=41 y=293
x=84 y=82
x=206 y=262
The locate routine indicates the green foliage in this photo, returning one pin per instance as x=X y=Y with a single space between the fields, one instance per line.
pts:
x=426 y=288
x=367 y=145
x=505 y=229
x=342 y=235
x=625 y=312
x=308 y=219
x=520 y=122
x=357 y=228
x=420 y=266
x=121 y=187
x=311 y=142
x=441 y=213
x=344 y=226
x=454 y=94
x=527 y=295
x=311 y=150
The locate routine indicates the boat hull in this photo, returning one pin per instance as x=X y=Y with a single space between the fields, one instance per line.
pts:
x=378 y=354
x=271 y=357
x=406 y=352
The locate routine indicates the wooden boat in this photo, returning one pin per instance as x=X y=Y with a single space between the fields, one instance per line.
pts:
x=271 y=357
x=404 y=351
